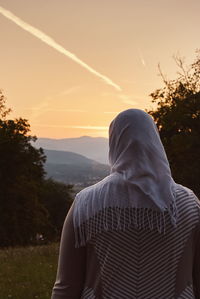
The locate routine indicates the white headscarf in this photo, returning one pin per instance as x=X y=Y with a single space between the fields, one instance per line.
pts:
x=140 y=179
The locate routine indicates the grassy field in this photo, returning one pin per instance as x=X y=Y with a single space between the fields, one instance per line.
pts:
x=28 y=273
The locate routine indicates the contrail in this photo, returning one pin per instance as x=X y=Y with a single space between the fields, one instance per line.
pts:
x=50 y=41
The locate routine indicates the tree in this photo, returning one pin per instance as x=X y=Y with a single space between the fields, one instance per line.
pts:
x=177 y=116
x=57 y=199
x=30 y=205
x=21 y=173
x=4 y=111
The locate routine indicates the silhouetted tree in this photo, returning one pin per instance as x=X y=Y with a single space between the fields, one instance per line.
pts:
x=4 y=111
x=57 y=199
x=21 y=173
x=30 y=205
x=178 y=119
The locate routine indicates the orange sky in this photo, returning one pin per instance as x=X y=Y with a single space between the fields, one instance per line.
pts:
x=122 y=40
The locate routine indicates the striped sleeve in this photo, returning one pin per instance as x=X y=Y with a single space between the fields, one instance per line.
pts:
x=196 y=266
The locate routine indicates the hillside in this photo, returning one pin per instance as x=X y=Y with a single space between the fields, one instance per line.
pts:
x=95 y=148
x=73 y=168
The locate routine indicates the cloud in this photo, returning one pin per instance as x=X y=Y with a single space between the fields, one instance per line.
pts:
x=130 y=102
x=111 y=112
x=45 y=105
x=143 y=61
x=142 y=58
x=100 y=128
x=52 y=43
x=69 y=91
x=126 y=99
x=39 y=109
x=96 y=128
x=132 y=82
x=43 y=109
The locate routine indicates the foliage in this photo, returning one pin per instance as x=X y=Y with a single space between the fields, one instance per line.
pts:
x=25 y=210
x=21 y=173
x=4 y=111
x=57 y=199
x=178 y=119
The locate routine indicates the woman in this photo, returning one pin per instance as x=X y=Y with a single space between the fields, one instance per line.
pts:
x=136 y=233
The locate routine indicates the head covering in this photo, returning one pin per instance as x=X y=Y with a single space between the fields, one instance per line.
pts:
x=140 y=180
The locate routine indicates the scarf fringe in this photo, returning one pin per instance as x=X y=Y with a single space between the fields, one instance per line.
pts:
x=122 y=219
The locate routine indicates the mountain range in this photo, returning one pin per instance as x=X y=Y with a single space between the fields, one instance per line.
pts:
x=95 y=148
x=79 y=161
x=72 y=168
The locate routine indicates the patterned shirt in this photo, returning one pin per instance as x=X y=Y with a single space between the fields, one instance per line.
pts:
x=133 y=263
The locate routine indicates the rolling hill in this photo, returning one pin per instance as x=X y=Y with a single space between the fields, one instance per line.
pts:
x=95 y=148
x=69 y=167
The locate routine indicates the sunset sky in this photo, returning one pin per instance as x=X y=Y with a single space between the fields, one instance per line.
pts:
x=84 y=61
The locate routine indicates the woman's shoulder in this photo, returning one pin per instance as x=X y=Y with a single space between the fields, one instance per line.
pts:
x=185 y=191
x=187 y=197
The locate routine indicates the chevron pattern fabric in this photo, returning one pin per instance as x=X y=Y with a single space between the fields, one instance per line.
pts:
x=142 y=263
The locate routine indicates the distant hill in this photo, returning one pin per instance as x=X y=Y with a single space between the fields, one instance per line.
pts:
x=73 y=168
x=67 y=158
x=95 y=148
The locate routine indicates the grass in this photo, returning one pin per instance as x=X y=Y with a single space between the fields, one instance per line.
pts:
x=28 y=272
